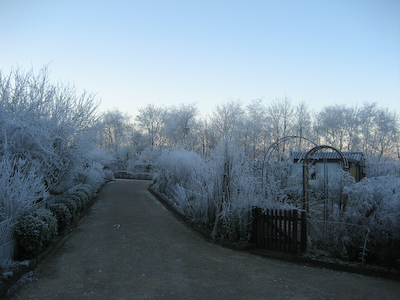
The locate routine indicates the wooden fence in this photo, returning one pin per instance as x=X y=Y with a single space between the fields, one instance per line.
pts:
x=281 y=230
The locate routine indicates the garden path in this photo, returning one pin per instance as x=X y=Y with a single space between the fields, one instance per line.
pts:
x=130 y=247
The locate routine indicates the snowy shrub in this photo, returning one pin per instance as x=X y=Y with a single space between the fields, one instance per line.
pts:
x=218 y=192
x=370 y=214
x=33 y=233
x=48 y=127
x=21 y=187
x=70 y=204
x=375 y=202
x=83 y=196
x=28 y=235
x=180 y=167
x=100 y=156
x=377 y=166
x=277 y=175
x=233 y=190
x=62 y=214
x=294 y=188
x=79 y=203
x=93 y=175
x=108 y=175
x=88 y=190
x=51 y=229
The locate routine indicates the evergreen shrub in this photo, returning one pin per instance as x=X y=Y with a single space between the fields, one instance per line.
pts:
x=77 y=200
x=62 y=214
x=88 y=190
x=34 y=231
x=51 y=228
x=71 y=205
x=83 y=196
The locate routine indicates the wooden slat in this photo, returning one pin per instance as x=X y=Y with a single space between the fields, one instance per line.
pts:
x=278 y=229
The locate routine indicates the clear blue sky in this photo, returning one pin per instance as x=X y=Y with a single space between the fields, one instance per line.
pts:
x=132 y=53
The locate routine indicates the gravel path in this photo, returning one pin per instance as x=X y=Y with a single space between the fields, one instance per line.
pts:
x=131 y=247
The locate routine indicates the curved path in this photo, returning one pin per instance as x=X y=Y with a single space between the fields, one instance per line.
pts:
x=131 y=247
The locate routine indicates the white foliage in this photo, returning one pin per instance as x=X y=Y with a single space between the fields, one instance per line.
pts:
x=21 y=187
x=181 y=167
x=48 y=126
x=376 y=202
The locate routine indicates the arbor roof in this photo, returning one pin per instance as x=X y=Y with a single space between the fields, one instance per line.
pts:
x=352 y=156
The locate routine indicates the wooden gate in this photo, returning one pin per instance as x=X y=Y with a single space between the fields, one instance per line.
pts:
x=281 y=230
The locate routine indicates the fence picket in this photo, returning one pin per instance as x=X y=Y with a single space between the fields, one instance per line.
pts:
x=278 y=230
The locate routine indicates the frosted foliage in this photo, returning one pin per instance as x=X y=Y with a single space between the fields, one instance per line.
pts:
x=181 y=167
x=376 y=203
x=282 y=188
x=382 y=166
x=92 y=174
x=48 y=126
x=20 y=187
x=219 y=190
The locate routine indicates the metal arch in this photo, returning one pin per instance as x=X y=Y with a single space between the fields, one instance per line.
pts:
x=275 y=144
x=317 y=148
x=306 y=170
x=284 y=139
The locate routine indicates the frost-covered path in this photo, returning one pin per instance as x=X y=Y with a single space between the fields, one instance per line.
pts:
x=131 y=247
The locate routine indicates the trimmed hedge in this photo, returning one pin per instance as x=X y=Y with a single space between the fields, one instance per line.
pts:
x=79 y=203
x=50 y=220
x=62 y=214
x=34 y=231
x=88 y=190
x=71 y=204
x=84 y=198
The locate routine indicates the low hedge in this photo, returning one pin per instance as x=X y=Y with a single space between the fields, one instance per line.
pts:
x=88 y=190
x=34 y=231
x=63 y=215
x=83 y=196
x=71 y=205
x=80 y=205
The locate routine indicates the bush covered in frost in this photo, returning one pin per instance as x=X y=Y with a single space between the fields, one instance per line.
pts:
x=217 y=192
x=21 y=187
x=34 y=231
x=71 y=205
x=375 y=204
x=62 y=214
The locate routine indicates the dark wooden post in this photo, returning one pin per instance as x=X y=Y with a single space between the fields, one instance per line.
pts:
x=303 y=243
x=268 y=228
x=259 y=226
x=285 y=240
x=253 y=239
x=294 y=232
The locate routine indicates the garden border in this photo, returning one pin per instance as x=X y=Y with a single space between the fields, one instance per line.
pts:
x=336 y=265
x=57 y=242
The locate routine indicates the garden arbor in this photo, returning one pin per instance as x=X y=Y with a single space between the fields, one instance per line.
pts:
x=307 y=158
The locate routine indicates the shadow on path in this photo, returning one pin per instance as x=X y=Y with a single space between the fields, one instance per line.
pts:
x=131 y=247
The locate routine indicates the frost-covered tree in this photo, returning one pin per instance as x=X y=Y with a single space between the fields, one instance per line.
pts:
x=46 y=125
x=151 y=120
x=302 y=123
x=179 y=124
x=333 y=125
x=115 y=130
x=21 y=187
x=385 y=133
x=255 y=129
x=117 y=135
x=227 y=119
x=280 y=113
